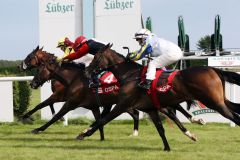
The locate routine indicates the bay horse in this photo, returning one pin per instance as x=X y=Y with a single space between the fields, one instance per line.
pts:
x=51 y=70
x=35 y=59
x=205 y=84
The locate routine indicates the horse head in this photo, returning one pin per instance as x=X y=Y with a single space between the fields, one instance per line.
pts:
x=102 y=59
x=45 y=72
x=33 y=59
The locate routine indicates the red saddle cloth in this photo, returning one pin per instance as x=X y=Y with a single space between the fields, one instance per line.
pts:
x=162 y=83
x=109 y=83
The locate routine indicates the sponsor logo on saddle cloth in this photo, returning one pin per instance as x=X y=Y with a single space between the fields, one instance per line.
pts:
x=109 y=83
x=162 y=83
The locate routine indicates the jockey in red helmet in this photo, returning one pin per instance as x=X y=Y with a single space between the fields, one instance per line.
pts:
x=80 y=47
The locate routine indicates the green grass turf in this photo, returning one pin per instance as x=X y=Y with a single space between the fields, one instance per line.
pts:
x=215 y=142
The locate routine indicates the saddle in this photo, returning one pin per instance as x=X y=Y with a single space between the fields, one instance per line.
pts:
x=161 y=84
x=163 y=81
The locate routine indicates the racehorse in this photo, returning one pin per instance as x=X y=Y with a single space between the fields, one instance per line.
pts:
x=59 y=94
x=51 y=70
x=205 y=84
x=37 y=57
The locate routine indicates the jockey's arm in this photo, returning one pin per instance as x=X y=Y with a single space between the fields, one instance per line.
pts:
x=139 y=54
x=79 y=53
x=68 y=50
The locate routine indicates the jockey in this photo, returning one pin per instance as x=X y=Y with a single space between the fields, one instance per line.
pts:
x=163 y=51
x=67 y=49
x=78 y=49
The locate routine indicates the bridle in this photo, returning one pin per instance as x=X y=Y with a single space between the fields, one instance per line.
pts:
x=27 y=64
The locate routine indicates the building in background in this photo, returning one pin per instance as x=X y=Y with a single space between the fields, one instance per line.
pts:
x=113 y=21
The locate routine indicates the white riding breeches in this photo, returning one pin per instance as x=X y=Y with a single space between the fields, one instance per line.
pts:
x=161 y=61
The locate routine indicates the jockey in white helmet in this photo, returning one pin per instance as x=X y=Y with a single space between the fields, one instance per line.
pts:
x=163 y=51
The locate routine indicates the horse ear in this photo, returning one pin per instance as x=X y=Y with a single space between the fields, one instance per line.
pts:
x=37 y=48
x=110 y=45
x=41 y=48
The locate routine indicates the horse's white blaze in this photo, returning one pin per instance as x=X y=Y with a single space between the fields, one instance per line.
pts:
x=24 y=66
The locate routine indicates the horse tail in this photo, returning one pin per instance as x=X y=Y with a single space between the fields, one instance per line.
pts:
x=233 y=106
x=228 y=76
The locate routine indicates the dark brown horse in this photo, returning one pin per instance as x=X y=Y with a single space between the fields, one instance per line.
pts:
x=36 y=59
x=205 y=84
x=52 y=70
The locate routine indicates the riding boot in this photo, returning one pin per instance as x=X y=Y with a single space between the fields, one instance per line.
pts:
x=145 y=84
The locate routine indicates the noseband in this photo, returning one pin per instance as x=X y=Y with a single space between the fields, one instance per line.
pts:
x=27 y=65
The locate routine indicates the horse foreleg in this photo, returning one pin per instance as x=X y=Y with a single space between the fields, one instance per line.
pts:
x=97 y=116
x=105 y=111
x=66 y=108
x=135 y=115
x=173 y=117
x=158 y=124
x=117 y=110
x=45 y=103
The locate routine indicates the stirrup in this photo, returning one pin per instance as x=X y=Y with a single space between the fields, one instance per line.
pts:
x=145 y=85
x=93 y=85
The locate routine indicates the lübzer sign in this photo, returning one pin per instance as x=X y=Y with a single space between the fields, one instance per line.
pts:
x=115 y=7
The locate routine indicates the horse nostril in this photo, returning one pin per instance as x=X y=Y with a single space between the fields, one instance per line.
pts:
x=33 y=85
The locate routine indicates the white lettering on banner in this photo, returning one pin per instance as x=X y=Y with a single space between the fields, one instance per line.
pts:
x=224 y=61
x=116 y=4
x=109 y=79
x=59 y=8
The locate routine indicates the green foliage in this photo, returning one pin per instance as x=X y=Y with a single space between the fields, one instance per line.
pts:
x=21 y=97
x=10 y=68
x=204 y=43
x=15 y=96
x=24 y=97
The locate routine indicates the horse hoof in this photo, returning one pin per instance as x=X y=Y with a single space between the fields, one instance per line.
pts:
x=35 y=131
x=80 y=137
x=202 y=122
x=194 y=137
x=167 y=149
x=26 y=121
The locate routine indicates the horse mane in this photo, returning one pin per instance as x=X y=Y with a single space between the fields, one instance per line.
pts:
x=120 y=55
x=49 y=54
x=129 y=61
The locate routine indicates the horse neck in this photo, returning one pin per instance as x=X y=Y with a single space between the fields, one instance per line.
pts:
x=121 y=68
x=44 y=56
x=127 y=69
x=68 y=75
